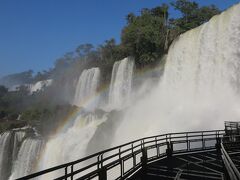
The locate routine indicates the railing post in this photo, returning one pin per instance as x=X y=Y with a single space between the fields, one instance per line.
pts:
x=203 y=142
x=218 y=143
x=66 y=172
x=144 y=156
x=121 y=162
x=102 y=174
x=238 y=132
x=144 y=159
x=169 y=150
x=134 y=156
x=71 y=172
x=157 y=146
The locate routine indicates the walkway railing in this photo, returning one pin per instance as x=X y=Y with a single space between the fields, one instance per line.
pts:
x=121 y=161
x=231 y=169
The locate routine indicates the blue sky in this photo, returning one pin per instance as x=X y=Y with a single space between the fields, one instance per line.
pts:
x=34 y=33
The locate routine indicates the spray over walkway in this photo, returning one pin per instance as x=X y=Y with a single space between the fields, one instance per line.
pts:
x=188 y=155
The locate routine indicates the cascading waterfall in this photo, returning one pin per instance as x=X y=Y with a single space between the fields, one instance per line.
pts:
x=64 y=148
x=200 y=84
x=40 y=85
x=83 y=126
x=11 y=143
x=27 y=157
x=5 y=154
x=18 y=139
x=199 y=90
x=121 y=83
x=87 y=87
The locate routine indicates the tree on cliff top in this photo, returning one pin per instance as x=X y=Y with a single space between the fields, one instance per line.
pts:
x=144 y=36
x=192 y=14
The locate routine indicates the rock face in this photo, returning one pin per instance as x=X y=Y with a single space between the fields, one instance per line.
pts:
x=105 y=132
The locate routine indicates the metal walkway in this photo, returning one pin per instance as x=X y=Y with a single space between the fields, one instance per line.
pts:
x=202 y=165
x=188 y=155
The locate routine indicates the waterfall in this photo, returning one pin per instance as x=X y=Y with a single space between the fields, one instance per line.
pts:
x=17 y=153
x=40 y=85
x=5 y=154
x=121 y=83
x=71 y=144
x=199 y=90
x=200 y=85
x=27 y=157
x=86 y=88
x=83 y=126
x=18 y=138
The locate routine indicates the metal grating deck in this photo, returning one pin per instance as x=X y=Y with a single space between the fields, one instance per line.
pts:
x=203 y=165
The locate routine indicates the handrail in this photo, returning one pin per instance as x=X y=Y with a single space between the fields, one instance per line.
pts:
x=230 y=166
x=139 y=152
x=232 y=127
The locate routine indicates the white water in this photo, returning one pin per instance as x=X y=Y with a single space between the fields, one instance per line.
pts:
x=121 y=83
x=86 y=88
x=199 y=90
x=38 y=86
x=5 y=156
x=26 y=159
x=200 y=85
x=64 y=148
x=18 y=139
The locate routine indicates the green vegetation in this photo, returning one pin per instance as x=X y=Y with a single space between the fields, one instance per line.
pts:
x=18 y=78
x=10 y=103
x=47 y=118
x=192 y=14
x=25 y=77
x=18 y=108
x=146 y=36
